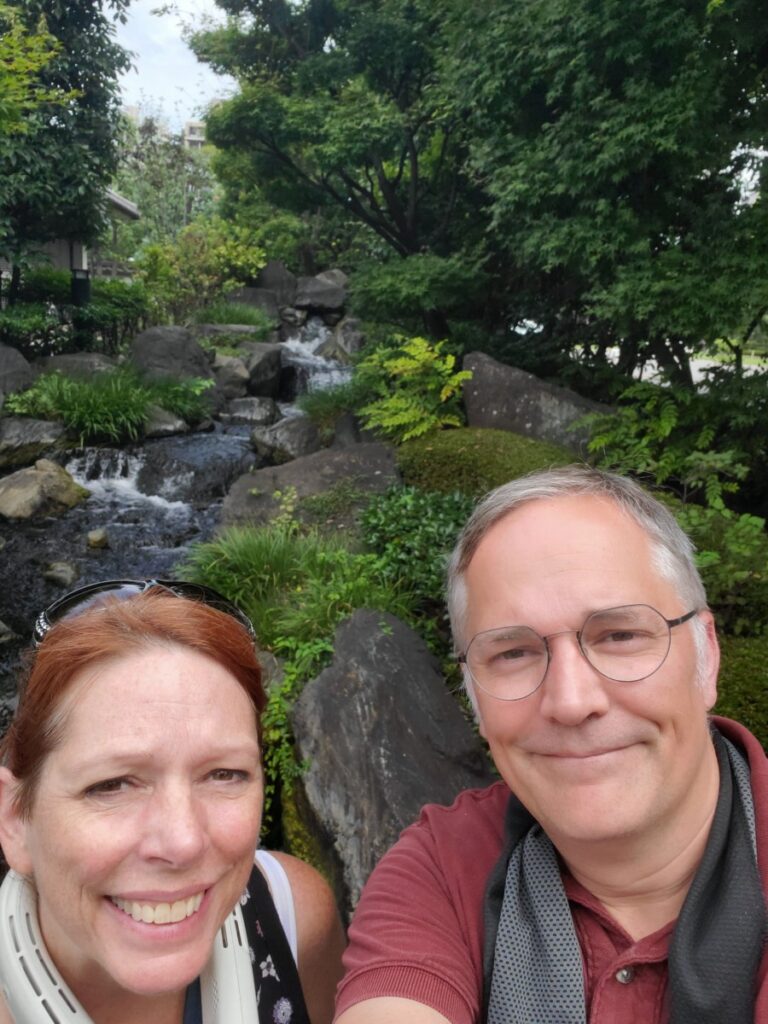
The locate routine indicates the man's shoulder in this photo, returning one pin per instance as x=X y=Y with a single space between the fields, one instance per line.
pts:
x=474 y=819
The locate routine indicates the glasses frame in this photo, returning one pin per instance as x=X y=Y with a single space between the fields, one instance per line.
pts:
x=67 y=605
x=461 y=657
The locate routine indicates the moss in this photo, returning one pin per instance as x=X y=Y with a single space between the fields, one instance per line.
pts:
x=298 y=839
x=743 y=689
x=474 y=459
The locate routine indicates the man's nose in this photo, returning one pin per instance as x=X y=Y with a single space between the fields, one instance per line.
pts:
x=572 y=690
x=174 y=826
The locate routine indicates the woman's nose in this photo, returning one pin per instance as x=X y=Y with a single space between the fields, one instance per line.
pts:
x=174 y=826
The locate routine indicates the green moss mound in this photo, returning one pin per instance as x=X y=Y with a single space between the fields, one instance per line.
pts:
x=474 y=460
x=743 y=687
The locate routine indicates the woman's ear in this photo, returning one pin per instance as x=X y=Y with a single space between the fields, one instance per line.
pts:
x=13 y=827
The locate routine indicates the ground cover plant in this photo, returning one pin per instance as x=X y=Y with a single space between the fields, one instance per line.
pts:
x=112 y=406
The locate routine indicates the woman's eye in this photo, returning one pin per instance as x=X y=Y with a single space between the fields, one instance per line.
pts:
x=108 y=787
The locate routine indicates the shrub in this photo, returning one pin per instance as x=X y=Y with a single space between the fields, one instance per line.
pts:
x=474 y=460
x=44 y=284
x=417 y=389
x=413 y=532
x=326 y=406
x=34 y=329
x=107 y=406
x=742 y=687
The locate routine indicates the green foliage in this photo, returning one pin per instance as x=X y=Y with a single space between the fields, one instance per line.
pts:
x=107 y=406
x=23 y=55
x=413 y=532
x=223 y=312
x=327 y=405
x=474 y=460
x=742 y=686
x=296 y=588
x=732 y=556
x=34 y=329
x=664 y=433
x=417 y=389
x=207 y=259
x=53 y=174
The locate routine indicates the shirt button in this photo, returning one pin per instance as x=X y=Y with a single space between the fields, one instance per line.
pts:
x=624 y=975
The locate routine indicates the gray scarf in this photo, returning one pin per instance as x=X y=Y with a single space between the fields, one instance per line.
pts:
x=533 y=962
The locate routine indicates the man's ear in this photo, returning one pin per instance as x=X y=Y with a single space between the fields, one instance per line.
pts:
x=13 y=827
x=710 y=661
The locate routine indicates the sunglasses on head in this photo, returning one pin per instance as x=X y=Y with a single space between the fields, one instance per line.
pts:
x=92 y=594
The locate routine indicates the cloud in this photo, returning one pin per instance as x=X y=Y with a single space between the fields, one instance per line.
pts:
x=167 y=76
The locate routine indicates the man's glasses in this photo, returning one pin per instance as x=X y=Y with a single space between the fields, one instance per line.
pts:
x=624 y=644
x=94 y=593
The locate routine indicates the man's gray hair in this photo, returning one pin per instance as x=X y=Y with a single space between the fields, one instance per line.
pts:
x=672 y=550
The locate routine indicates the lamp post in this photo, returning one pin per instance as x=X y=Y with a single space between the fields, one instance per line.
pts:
x=81 y=287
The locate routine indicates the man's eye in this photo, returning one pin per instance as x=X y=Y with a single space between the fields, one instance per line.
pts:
x=228 y=775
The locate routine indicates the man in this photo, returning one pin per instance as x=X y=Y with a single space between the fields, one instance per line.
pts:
x=617 y=873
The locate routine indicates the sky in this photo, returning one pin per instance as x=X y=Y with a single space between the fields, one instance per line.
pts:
x=168 y=78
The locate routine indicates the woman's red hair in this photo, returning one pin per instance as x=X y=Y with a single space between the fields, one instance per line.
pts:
x=113 y=629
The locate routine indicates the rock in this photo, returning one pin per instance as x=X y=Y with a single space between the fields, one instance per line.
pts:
x=162 y=352
x=293 y=317
x=232 y=333
x=15 y=372
x=334 y=276
x=276 y=278
x=24 y=440
x=98 y=539
x=264 y=298
x=319 y=294
x=176 y=469
x=287 y=439
x=62 y=573
x=371 y=468
x=382 y=736
x=263 y=362
x=43 y=490
x=346 y=341
x=259 y=412
x=77 y=364
x=510 y=399
x=161 y=423
x=232 y=375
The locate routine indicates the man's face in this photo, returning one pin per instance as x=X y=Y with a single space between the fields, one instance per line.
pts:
x=592 y=759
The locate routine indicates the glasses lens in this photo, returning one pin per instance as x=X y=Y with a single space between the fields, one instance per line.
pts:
x=626 y=644
x=508 y=663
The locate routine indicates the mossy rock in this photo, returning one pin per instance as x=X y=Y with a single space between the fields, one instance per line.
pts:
x=743 y=685
x=474 y=460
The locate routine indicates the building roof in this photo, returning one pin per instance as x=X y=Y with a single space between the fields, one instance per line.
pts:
x=123 y=206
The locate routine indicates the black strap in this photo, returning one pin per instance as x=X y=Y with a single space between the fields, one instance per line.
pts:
x=266 y=938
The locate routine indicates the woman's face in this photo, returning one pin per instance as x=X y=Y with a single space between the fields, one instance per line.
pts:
x=145 y=822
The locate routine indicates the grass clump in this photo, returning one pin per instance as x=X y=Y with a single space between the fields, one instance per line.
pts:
x=111 y=406
x=236 y=313
x=474 y=460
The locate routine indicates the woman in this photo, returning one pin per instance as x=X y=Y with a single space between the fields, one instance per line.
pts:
x=130 y=798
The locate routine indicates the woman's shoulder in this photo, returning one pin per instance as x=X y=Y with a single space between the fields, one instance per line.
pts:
x=313 y=900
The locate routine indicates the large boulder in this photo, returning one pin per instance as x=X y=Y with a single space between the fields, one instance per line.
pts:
x=319 y=294
x=162 y=352
x=257 y=412
x=263 y=361
x=370 y=468
x=506 y=398
x=178 y=469
x=276 y=278
x=15 y=372
x=24 y=440
x=382 y=736
x=232 y=376
x=43 y=490
x=287 y=439
x=345 y=342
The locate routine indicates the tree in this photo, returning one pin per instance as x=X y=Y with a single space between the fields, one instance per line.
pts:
x=339 y=110
x=614 y=141
x=53 y=175
x=23 y=54
x=169 y=182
